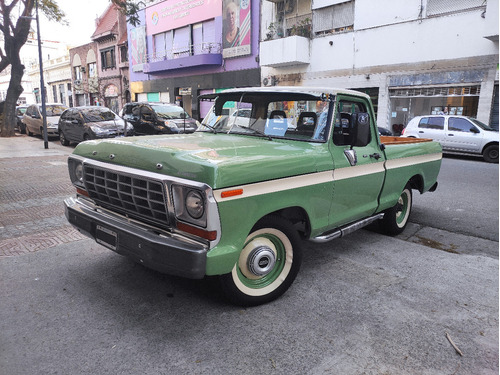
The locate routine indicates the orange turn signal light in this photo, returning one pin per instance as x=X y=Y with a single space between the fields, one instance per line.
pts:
x=208 y=235
x=82 y=192
x=231 y=193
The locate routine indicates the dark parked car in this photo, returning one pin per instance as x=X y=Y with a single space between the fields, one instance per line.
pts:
x=20 y=110
x=83 y=123
x=384 y=131
x=158 y=118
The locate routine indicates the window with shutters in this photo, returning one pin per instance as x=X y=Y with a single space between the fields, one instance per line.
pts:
x=108 y=60
x=440 y=7
x=334 y=19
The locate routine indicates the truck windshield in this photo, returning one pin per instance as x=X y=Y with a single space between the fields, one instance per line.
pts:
x=301 y=120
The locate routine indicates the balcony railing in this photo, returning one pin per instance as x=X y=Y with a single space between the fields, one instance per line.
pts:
x=192 y=50
x=298 y=25
x=186 y=57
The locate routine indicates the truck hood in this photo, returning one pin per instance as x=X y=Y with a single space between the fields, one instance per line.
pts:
x=219 y=160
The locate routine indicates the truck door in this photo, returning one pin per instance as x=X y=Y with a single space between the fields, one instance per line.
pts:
x=359 y=172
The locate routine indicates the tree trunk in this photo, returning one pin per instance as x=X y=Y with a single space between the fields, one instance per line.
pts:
x=15 y=89
x=12 y=46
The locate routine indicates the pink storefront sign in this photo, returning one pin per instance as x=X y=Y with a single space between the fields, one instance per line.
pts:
x=172 y=14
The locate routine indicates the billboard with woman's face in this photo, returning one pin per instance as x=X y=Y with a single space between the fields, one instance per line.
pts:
x=236 y=31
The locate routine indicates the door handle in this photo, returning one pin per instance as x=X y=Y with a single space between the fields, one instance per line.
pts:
x=451 y=135
x=421 y=131
x=376 y=156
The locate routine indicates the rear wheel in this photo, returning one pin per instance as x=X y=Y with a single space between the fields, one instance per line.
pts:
x=267 y=266
x=396 y=218
x=490 y=154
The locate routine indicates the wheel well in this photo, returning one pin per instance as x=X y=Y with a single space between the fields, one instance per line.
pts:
x=297 y=216
x=489 y=144
x=417 y=183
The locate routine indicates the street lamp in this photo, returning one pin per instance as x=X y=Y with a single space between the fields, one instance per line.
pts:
x=42 y=84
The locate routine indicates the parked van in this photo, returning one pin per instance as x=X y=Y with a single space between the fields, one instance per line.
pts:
x=457 y=134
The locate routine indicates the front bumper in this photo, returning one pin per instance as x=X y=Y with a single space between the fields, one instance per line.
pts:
x=168 y=253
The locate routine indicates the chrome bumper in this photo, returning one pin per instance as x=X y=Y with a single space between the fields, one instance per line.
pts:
x=168 y=253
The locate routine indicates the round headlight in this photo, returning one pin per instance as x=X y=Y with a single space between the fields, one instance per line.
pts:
x=79 y=172
x=194 y=204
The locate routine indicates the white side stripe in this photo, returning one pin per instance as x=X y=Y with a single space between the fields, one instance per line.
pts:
x=288 y=183
x=406 y=162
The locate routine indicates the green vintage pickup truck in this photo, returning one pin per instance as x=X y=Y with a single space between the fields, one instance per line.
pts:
x=268 y=168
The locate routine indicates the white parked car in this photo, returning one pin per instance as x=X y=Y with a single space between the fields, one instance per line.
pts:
x=33 y=120
x=457 y=134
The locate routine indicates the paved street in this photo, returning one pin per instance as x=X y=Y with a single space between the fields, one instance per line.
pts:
x=364 y=304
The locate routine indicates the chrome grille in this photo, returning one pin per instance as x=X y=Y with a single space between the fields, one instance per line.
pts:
x=136 y=196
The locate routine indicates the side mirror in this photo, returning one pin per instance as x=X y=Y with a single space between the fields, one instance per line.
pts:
x=360 y=123
x=474 y=130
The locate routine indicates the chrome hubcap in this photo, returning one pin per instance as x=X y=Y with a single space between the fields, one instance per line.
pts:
x=261 y=261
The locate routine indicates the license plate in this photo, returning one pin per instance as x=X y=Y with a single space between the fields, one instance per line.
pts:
x=106 y=237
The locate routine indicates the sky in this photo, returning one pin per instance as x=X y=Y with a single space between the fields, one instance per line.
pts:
x=81 y=17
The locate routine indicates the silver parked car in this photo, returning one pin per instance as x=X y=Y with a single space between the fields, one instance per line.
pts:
x=83 y=123
x=457 y=134
x=33 y=120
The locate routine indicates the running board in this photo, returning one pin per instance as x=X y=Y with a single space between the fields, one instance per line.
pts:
x=348 y=229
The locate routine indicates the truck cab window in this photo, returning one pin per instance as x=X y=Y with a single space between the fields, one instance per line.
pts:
x=342 y=128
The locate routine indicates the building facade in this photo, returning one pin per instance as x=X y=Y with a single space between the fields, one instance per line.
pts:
x=110 y=37
x=57 y=80
x=84 y=74
x=413 y=57
x=51 y=51
x=182 y=49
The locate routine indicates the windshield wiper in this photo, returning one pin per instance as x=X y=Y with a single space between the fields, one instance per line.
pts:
x=212 y=128
x=256 y=131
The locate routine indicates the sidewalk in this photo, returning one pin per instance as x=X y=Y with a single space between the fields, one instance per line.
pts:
x=34 y=182
x=22 y=146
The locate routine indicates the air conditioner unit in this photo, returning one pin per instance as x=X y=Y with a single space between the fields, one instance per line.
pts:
x=268 y=81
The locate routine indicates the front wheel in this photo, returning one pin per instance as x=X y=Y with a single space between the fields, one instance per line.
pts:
x=396 y=218
x=490 y=154
x=267 y=266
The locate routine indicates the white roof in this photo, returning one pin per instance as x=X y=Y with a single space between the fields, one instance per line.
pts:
x=317 y=91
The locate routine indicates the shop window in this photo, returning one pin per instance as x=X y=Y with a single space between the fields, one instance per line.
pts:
x=436 y=123
x=108 y=60
x=54 y=93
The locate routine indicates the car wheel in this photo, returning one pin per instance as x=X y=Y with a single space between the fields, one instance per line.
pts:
x=396 y=218
x=63 y=139
x=267 y=265
x=490 y=154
